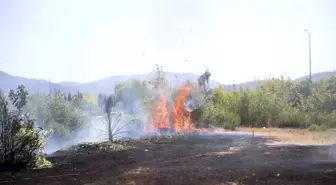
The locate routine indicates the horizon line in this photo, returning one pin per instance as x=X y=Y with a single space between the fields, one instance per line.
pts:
x=256 y=78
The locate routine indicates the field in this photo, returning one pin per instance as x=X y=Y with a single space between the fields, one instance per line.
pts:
x=268 y=156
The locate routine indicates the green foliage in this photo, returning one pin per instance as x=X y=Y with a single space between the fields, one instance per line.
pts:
x=61 y=116
x=276 y=103
x=222 y=118
x=19 y=98
x=219 y=111
x=314 y=127
x=197 y=117
x=20 y=143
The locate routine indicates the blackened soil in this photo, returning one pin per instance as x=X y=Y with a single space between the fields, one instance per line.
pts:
x=190 y=159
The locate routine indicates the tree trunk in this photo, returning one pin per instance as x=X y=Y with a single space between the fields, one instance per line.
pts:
x=109 y=127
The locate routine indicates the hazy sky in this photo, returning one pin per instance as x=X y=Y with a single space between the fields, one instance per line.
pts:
x=86 y=40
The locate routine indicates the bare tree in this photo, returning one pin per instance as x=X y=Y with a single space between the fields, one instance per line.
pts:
x=203 y=80
x=114 y=127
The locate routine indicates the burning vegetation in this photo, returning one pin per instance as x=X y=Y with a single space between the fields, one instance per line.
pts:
x=175 y=118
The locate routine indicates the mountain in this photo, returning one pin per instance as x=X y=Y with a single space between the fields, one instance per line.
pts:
x=8 y=82
x=106 y=85
x=254 y=84
x=319 y=76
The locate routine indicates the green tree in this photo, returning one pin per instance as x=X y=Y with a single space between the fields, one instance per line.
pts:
x=59 y=115
x=20 y=144
x=19 y=98
x=278 y=102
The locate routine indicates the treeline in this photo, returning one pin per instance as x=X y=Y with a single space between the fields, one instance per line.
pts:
x=276 y=103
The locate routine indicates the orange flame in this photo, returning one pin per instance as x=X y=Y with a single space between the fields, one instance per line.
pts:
x=159 y=116
x=181 y=116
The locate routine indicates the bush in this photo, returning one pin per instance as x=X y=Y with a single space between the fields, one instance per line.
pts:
x=217 y=116
x=20 y=144
x=276 y=103
x=291 y=118
x=314 y=127
x=197 y=117
x=227 y=120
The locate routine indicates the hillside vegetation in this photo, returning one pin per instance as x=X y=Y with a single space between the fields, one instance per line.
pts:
x=26 y=119
x=276 y=103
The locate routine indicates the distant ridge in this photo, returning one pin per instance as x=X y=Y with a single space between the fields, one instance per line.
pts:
x=106 y=85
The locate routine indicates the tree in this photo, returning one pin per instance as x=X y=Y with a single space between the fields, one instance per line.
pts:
x=59 y=115
x=203 y=80
x=221 y=109
x=19 y=98
x=159 y=80
x=131 y=95
x=108 y=108
x=278 y=102
x=114 y=119
x=20 y=144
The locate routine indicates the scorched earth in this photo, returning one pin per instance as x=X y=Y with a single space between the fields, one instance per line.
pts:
x=186 y=159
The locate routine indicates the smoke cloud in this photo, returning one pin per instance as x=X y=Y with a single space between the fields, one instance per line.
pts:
x=129 y=120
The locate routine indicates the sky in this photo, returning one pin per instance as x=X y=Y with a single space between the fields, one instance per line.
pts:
x=238 y=40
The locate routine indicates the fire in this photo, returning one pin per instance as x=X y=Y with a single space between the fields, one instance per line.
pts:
x=177 y=119
x=181 y=116
x=159 y=116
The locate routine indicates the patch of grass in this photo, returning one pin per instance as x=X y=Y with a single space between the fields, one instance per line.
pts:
x=99 y=147
x=295 y=136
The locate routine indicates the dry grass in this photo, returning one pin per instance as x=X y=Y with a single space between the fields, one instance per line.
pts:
x=294 y=136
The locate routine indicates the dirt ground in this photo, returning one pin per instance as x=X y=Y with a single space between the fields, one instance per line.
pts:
x=191 y=159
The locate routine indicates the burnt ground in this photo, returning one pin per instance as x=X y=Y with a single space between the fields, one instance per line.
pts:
x=188 y=159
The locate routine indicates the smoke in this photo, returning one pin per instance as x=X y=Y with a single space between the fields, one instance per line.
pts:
x=96 y=131
x=130 y=119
